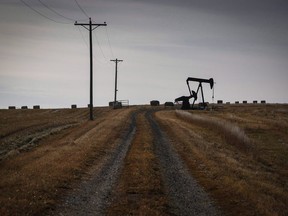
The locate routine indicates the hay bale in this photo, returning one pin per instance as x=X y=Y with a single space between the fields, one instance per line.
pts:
x=245 y=102
x=154 y=103
x=263 y=102
x=11 y=107
x=36 y=107
x=219 y=101
x=236 y=102
x=168 y=103
x=255 y=102
x=73 y=106
x=24 y=107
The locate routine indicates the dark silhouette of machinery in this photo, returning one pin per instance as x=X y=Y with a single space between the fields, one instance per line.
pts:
x=193 y=94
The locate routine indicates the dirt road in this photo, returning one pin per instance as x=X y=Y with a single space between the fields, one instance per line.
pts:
x=142 y=176
x=144 y=161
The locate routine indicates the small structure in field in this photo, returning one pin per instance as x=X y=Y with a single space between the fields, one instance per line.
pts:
x=73 y=106
x=219 y=101
x=115 y=104
x=245 y=102
x=24 y=107
x=154 y=103
x=255 y=102
x=169 y=104
x=36 y=107
x=236 y=102
x=263 y=102
x=11 y=107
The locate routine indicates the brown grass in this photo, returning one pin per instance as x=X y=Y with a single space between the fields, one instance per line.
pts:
x=242 y=183
x=32 y=181
x=232 y=133
x=140 y=190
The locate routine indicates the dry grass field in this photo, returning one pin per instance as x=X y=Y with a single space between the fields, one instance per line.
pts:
x=237 y=153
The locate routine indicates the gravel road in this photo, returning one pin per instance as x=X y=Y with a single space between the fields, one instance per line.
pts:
x=94 y=195
x=188 y=198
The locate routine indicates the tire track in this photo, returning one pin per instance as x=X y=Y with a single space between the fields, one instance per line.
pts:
x=187 y=196
x=94 y=194
x=155 y=183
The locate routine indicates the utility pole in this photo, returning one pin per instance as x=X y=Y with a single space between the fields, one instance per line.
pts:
x=116 y=68
x=90 y=27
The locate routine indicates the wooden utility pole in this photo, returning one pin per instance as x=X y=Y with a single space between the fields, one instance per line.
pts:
x=116 y=68
x=90 y=27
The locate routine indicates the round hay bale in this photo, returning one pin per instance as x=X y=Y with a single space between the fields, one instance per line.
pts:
x=154 y=103
x=169 y=103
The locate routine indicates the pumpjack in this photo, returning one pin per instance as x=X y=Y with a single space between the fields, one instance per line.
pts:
x=185 y=99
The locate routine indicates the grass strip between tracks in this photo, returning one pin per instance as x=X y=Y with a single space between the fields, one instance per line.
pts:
x=140 y=189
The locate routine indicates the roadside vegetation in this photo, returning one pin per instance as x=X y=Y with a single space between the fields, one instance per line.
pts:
x=33 y=180
x=239 y=154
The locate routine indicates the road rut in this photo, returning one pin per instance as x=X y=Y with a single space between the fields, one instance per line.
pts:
x=122 y=187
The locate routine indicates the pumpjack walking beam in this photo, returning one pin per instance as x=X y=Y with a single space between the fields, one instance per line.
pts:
x=210 y=81
x=90 y=27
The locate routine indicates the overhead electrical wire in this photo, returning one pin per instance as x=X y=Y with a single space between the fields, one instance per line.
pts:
x=41 y=14
x=81 y=9
x=54 y=11
x=109 y=43
x=71 y=19
x=100 y=47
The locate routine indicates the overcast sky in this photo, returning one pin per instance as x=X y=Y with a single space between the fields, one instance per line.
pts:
x=242 y=44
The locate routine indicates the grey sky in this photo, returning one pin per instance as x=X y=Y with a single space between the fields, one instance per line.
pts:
x=242 y=44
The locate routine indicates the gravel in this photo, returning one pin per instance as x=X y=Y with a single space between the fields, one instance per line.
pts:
x=187 y=196
x=94 y=195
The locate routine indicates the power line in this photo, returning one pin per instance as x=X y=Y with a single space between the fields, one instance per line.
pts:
x=41 y=14
x=109 y=43
x=100 y=47
x=81 y=9
x=54 y=11
x=86 y=43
